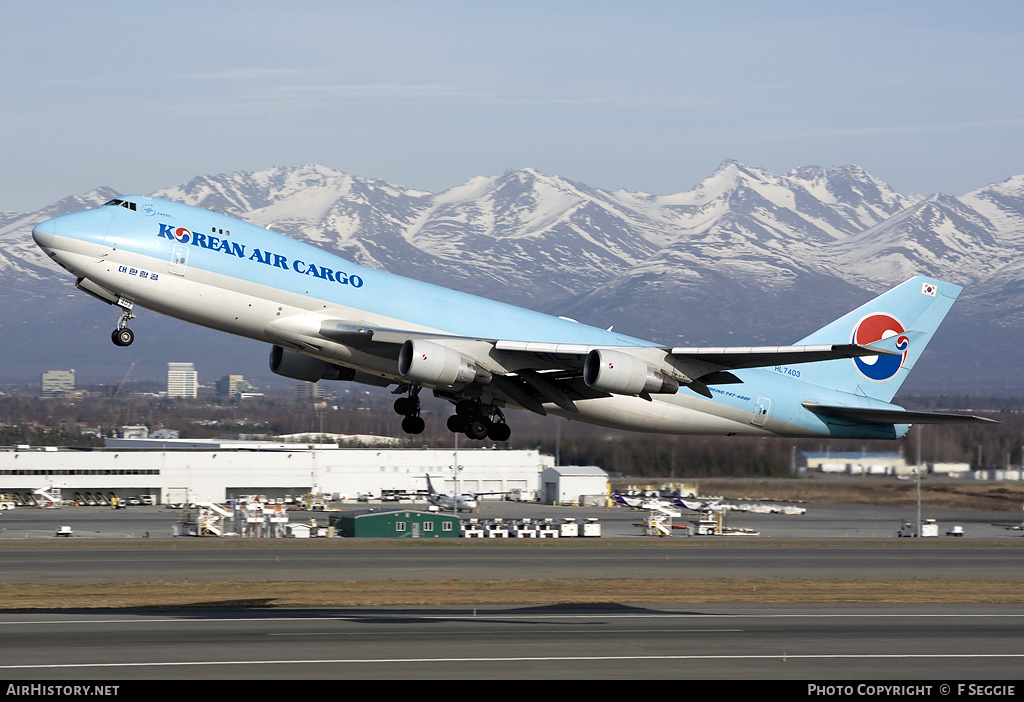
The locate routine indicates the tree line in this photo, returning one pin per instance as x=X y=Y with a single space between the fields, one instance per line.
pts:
x=61 y=422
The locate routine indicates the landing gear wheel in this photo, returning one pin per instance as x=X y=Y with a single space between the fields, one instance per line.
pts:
x=407 y=406
x=499 y=432
x=457 y=424
x=413 y=425
x=477 y=428
x=122 y=337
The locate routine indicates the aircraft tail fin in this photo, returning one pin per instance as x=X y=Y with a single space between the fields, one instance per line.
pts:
x=430 y=488
x=919 y=305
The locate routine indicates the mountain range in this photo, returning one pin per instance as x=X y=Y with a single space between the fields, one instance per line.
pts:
x=746 y=257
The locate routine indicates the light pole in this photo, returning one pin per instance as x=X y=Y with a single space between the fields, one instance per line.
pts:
x=320 y=415
x=455 y=473
x=920 y=429
x=918 y=471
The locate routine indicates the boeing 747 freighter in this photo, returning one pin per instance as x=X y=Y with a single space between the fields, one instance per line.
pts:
x=330 y=319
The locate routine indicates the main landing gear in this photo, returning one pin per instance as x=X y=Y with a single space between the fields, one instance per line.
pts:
x=472 y=418
x=122 y=335
x=410 y=407
x=478 y=421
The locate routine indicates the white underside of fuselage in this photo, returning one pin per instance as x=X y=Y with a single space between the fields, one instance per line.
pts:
x=256 y=311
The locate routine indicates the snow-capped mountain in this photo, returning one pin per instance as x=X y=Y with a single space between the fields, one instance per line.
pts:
x=746 y=256
x=23 y=264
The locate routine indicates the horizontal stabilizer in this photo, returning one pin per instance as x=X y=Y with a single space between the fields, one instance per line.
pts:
x=869 y=415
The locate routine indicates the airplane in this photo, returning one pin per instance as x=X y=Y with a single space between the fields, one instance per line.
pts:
x=466 y=502
x=639 y=502
x=696 y=505
x=631 y=502
x=327 y=318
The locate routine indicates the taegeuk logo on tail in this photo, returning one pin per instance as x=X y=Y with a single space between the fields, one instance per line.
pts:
x=874 y=328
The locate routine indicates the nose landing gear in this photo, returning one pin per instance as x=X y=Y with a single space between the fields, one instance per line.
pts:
x=122 y=335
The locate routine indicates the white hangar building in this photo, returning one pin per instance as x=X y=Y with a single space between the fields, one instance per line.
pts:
x=218 y=471
x=574 y=485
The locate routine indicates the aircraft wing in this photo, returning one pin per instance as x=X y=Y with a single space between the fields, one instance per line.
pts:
x=361 y=336
x=728 y=357
x=761 y=356
x=695 y=367
x=530 y=374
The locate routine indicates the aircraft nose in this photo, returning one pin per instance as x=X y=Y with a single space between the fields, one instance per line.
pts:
x=43 y=233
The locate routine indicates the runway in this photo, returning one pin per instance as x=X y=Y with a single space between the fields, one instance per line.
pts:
x=923 y=644
x=929 y=644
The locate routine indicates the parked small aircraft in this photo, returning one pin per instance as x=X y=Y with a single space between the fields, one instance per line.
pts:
x=467 y=501
x=696 y=505
x=646 y=503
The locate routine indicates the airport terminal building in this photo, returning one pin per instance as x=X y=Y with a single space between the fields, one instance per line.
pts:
x=217 y=471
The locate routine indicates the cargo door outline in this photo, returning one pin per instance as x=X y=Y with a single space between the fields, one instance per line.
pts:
x=179 y=259
x=764 y=406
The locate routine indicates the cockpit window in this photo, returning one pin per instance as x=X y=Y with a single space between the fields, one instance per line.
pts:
x=122 y=203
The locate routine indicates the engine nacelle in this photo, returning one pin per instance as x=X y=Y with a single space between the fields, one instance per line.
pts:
x=300 y=367
x=434 y=364
x=619 y=373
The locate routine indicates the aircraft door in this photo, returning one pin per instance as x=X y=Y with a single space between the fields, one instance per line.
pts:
x=764 y=405
x=179 y=259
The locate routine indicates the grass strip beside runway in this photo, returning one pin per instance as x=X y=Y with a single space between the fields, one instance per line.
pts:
x=264 y=594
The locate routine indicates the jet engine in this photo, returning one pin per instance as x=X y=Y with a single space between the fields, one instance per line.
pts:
x=429 y=363
x=295 y=365
x=619 y=373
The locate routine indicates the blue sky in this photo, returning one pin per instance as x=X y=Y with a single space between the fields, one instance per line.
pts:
x=650 y=96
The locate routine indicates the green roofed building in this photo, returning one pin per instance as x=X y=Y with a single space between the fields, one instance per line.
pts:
x=396 y=524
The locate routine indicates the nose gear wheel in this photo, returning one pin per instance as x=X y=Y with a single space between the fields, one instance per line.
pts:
x=122 y=337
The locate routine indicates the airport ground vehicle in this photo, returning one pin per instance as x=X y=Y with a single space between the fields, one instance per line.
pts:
x=929 y=528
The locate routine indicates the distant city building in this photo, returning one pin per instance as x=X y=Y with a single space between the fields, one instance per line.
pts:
x=307 y=391
x=232 y=386
x=57 y=383
x=134 y=431
x=181 y=380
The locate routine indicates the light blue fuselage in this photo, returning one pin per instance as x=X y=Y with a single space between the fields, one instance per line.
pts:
x=226 y=274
